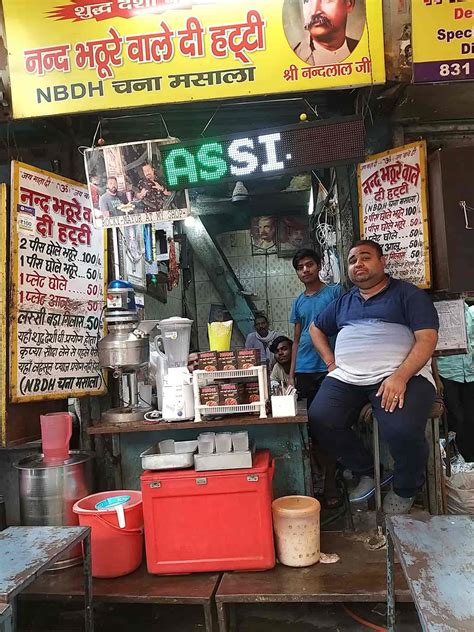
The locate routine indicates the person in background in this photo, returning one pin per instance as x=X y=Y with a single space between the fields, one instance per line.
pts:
x=457 y=379
x=151 y=192
x=262 y=338
x=281 y=349
x=193 y=360
x=387 y=330
x=111 y=199
x=308 y=369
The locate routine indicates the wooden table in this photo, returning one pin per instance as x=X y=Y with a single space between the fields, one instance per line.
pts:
x=26 y=552
x=228 y=420
x=359 y=576
x=286 y=437
x=436 y=554
x=138 y=587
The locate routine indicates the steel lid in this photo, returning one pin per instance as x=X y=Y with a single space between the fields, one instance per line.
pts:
x=36 y=462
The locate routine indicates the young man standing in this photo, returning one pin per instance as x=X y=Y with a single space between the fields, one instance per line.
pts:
x=308 y=369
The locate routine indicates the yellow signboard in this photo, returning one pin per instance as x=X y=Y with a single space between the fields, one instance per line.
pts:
x=443 y=40
x=78 y=55
x=3 y=314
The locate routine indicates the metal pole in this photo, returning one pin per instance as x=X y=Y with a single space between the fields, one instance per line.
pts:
x=378 y=491
x=88 y=611
x=390 y=585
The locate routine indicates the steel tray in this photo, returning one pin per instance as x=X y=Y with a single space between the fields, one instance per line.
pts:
x=153 y=459
x=223 y=461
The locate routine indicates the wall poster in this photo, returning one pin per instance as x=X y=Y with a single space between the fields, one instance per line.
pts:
x=85 y=55
x=452 y=338
x=393 y=210
x=58 y=276
x=127 y=186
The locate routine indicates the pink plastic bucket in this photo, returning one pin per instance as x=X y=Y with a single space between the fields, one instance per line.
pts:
x=115 y=551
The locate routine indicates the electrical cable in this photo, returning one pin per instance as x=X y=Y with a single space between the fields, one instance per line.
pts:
x=362 y=621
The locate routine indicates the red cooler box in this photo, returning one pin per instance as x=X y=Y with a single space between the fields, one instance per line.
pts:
x=209 y=521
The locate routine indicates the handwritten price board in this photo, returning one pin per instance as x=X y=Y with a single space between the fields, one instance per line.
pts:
x=393 y=210
x=58 y=288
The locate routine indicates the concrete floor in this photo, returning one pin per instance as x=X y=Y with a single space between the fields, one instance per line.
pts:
x=34 y=617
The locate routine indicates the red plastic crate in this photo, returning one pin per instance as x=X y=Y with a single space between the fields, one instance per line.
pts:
x=209 y=521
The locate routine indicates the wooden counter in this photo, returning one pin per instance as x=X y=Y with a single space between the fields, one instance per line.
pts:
x=224 y=422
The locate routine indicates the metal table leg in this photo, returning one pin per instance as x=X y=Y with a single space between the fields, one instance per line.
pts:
x=390 y=585
x=221 y=616
x=208 y=622
x=88 y=611
x=6 y=618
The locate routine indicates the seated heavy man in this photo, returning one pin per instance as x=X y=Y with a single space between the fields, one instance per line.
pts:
x=387 y=330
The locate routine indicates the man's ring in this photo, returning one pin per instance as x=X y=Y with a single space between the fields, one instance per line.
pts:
x=395 y=397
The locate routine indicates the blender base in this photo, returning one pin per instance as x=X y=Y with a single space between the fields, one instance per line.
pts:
x=125 y=414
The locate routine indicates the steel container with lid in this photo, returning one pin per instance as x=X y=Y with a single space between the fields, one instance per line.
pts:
x=49 y=491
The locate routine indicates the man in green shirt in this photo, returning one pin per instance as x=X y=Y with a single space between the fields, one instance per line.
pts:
x=457 y=375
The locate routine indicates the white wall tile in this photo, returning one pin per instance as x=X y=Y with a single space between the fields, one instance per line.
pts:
x=261 y=306
x=279 y=310
x=260 y=288
x=248 y=285
x=297 y=286
x=281 y=326
x=259 y=266
x=234 y=264
x=277 y=287
x=288 y=266
x=246 y=267
x=276 y=266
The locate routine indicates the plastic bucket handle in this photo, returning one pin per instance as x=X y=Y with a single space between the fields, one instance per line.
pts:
x=125 y=531
x=114 y=503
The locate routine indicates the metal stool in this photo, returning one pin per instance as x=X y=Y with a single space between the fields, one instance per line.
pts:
x=434 y=470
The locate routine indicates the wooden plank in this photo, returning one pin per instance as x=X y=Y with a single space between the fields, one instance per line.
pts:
x=227 y=421
x=360 y=575
x=27 y=551
x=437 y=556
x=138 y=587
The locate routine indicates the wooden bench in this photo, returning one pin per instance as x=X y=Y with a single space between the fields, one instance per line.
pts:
x=359 y=576
x=138 y=587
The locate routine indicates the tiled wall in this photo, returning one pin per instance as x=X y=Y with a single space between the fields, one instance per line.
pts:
x=260 y=275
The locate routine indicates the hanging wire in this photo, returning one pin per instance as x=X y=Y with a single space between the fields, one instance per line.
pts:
x=210 y=120
x=164 y=125
x=313 y=109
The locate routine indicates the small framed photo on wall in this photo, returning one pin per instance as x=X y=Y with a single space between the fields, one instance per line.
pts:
x=263 y=231
x=293 y=234
x=133 y=253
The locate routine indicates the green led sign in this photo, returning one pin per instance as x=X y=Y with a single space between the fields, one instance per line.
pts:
x=263 y=153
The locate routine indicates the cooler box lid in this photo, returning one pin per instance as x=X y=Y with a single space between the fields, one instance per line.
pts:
x=261 y=463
